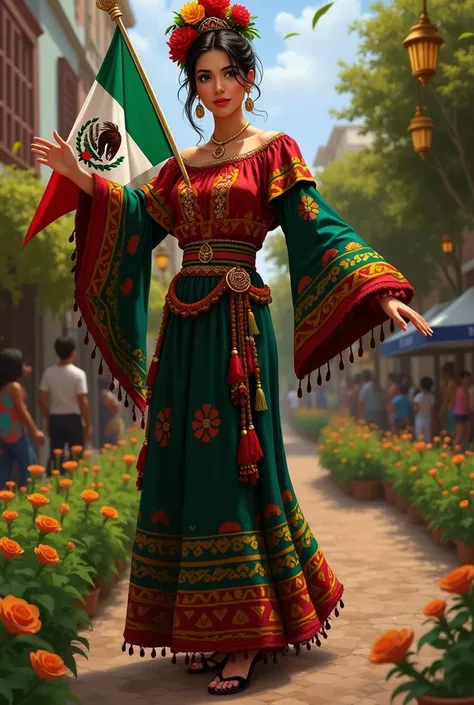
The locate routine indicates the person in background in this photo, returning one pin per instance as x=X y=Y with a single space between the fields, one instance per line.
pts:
x=448 y=397
x=462 y=409
x=402 y=408
x=372 y=400
x=353 y=394
x=293 y=400
x=424 y=409
x=63 y=399
x=15 y=419
x=111 y=422
x=392 y=391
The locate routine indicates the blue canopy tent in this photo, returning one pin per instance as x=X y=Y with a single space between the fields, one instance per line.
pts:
x=407 y=341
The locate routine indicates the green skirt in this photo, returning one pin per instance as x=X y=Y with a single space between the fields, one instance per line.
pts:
x=219 y=564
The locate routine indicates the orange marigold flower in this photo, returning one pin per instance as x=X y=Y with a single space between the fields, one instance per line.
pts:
x=471 y=492
x=435 y=608
x=96 y=469
x=58 y=451
x=457 y=459
x=87 y=454
x=71 y=546
x=455 y=489
x=85 y=470
x=6 y=496
x=55 y=473
x=413 y=468
x=35 y=470
x=433 y=472
x=398 y=464
x=10 y=484
x=47 y=525
x=368 y=456
x=45 y=489
x=46 y=665
x=66 y=483
x=100 y=485
x=109 y=512
x=126 y=477
x=121 y=443
x=445 y=493
x=440 y=483
x=9 y=515
x=458 y=581
x=419 y=446
x=436 y=439
x=23 y=490
x=464 y=503
x=391 y=647
x=89 y=496
x=444 y=455
x=64 y=508
x=47 y=555
x=428 y=446
x=133 y=441
x=70 y=465
x=129 y=459
x=77 y=449
x=37 y=500
x=446 y=439
x=18 y=616
x=9 y=548
x=107 y=446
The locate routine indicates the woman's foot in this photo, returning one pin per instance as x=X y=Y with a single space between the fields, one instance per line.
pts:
x=214 y=662
x=240 y=667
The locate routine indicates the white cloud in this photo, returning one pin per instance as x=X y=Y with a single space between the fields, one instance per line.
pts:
x=141 y=43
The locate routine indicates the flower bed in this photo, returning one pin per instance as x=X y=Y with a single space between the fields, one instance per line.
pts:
x=308 y=423
x=64 y=535
x=433 y=482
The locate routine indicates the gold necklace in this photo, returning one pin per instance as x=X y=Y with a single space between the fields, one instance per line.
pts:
x=220 y=149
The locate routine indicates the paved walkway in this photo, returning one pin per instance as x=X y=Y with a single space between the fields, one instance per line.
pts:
x=389 y=569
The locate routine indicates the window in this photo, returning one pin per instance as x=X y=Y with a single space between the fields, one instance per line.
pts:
x=68 y=98
x=18 y=81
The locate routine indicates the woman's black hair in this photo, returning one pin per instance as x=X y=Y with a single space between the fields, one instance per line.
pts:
x=11 y=366
x=241 y=55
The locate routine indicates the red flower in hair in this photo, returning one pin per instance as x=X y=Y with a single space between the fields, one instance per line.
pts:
x=179 y=42
x=215 y=8
x=241 y=15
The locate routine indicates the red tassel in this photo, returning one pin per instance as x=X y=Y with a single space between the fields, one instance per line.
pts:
x=255 y=448
x=250 y=363
x=243 y=455
x=141 y=462
x=151 y=377
x=235 y=374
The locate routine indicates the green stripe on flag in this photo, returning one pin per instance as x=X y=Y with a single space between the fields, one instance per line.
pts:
x=118 y=75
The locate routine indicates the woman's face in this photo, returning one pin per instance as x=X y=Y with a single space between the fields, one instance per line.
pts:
x=26 y=369
x=217 y=84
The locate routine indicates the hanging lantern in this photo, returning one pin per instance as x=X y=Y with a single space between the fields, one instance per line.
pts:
x=162 y=258
x=423 y=43
x=447 y=245
x=421 y=129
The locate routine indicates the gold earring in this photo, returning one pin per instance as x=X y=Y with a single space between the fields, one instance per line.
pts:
x=249 y=103
x=199 y=112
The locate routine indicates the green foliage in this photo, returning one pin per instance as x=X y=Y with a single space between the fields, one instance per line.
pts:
x=156 y=302
x=308 y=423
x=46 y=263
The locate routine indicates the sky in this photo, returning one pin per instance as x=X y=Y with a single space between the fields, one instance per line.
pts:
x=300 y=74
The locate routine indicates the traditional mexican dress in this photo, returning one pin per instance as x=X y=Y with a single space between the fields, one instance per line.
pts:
x=223 y=557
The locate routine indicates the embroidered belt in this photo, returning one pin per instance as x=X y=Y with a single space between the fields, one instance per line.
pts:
x=217 y=252
x=243 y=362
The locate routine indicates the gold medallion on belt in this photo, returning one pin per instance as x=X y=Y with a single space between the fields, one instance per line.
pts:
x=205 y=253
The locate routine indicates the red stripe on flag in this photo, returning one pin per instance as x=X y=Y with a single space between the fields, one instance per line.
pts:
x=61 y=196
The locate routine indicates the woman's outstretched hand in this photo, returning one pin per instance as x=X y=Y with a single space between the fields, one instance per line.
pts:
x=61 y=158
x=397 y=311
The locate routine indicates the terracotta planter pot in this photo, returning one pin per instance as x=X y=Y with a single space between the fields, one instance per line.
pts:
x=366 y=490
x=401 y=504
x=465 y=553
x=435 y=700
x=414 y=515
x=437 y=536
x=104 y=586
x=389 y=493
x=91 y=601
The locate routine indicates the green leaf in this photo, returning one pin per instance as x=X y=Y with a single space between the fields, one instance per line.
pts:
x=402 y=689
x=460 y=619
x=16 y=147
x=322 y=11
x=82 y=640
x=466 y=35
x=33 y=642
x=291 y=34
x=46 y=602
x=6 y=695
x=430 y=637
x=20 y=679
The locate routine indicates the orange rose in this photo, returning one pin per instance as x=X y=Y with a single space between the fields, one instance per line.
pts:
x=55 y=473
x=66 y=483
x=129 y=459
x=71 y=546
x=9 y=548
x=10 y=484
x=64 y=508
x=96 y=469
x=70 y=465
x=392 y=646
x=471 y=492
x=6 y=496
x=18 y=616
x=107 y=446
x=37 y=500
x=9 y=515
x=455 y=489
x=58 y=451
x=435 y=608
x=36 y=470
x=444 y=455
x=419 y=446
x=440 y=483
x=99 y=485
x=433 y=472
x=457 y=459
x=47 y=525
x=23 y=490
x=126 y=477
x=88 y=454
x=109 y=512
x=121 y=444
x=47 y=555
x=458 y=581
x=471 y=476
x=413 y=468
x=45 y=489
x=47 y=665
x=77 y=449
x=445 y=493
x=464 y=503
x=436 y=439
x=447 y=439
x=89 y=496
x=85 y=469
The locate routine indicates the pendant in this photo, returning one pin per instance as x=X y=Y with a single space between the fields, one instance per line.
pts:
x=219 y=151
x=238 y=280
x=205 y=253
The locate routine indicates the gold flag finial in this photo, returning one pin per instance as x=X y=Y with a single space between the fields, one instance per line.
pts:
x=110 y=6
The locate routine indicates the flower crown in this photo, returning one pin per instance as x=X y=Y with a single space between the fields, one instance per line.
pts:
x=200 y=16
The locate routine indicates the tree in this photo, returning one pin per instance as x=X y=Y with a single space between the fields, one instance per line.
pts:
x=440 y=190
x=46 y=262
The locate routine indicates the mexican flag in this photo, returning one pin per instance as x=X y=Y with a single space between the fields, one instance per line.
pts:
x=117 y=135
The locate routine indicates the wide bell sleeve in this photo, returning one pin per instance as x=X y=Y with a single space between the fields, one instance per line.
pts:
x=116 y=230
x=336 y=277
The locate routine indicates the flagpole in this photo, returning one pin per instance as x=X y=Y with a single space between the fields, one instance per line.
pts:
x=112 y=7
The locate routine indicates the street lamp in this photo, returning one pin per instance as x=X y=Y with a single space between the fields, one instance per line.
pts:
x=162 y=258
x=447 y=245
x=421 y=129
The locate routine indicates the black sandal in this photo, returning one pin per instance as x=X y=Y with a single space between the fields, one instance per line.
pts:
x=209 y=664
x=243 y=682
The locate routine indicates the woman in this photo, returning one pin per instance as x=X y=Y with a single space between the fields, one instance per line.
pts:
x=462 y=410
x=111 y=424
x=15 y=419
x=223 y=559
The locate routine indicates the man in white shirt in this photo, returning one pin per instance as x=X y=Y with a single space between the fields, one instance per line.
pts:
x=63 y=399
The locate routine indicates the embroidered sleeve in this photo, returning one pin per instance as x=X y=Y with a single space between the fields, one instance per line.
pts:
x=157 y=196
x=286 y=167
x=335 y=279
